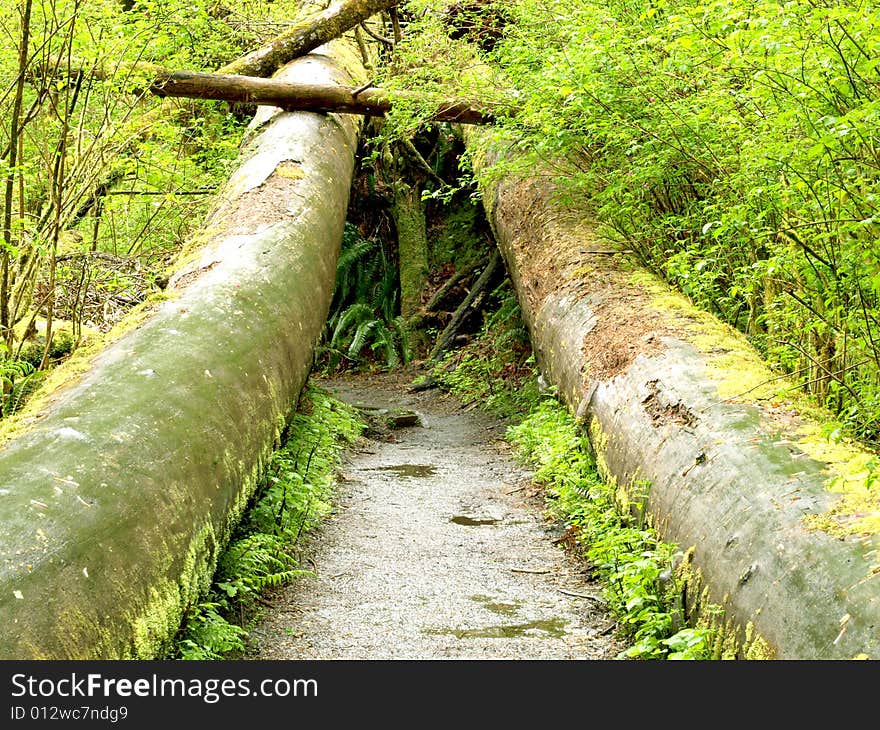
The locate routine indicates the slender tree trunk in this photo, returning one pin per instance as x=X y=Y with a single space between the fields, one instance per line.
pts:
x=12 y=161
x=412 y=245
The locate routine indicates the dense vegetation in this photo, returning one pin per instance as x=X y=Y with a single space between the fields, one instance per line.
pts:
x=732 y=146
x=102 y=183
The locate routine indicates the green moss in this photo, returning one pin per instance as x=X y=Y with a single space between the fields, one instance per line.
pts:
x=854 y=479
x=290 y=170
x=599 y=441
x=740 y=374
x=457 y=239
x=167 y=604
x=69 y=371
x=729 y=639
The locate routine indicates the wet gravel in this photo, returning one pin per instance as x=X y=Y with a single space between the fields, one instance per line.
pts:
x=437 y=548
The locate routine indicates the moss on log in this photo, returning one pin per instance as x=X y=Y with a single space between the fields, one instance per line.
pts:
x=781 y=523
x=117 y=498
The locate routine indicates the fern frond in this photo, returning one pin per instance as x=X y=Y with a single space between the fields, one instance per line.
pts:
x=360 y=337
x=354 y=315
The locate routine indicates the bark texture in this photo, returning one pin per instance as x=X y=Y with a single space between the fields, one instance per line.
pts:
x=306 y=96
x=120 y=494
x=412 y=246
x=306 y=35
x=747 y=483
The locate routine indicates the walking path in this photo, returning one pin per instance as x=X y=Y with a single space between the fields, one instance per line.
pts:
x=437 y=549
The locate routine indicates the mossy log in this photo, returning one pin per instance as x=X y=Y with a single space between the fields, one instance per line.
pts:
x=683 y=412
x=117 y=497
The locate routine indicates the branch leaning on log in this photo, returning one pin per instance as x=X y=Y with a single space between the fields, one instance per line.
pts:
x=306 y=36
x=310 y=97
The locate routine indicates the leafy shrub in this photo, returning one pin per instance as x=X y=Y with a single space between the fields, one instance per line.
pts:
x=732 y=145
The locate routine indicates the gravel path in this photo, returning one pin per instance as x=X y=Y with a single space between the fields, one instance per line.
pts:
x=437 y=549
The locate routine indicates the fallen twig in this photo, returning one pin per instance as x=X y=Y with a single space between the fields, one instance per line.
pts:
x=575 y=594
x=526 y=570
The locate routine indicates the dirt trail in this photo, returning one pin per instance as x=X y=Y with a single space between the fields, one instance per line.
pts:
x=437 y=549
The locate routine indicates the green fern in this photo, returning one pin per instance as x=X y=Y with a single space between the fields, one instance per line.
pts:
x=292 y=499
x=364 y=322
x=353 y=317
x=19 y=379
x=384 y=342
x=360 y=336
x=209 y=635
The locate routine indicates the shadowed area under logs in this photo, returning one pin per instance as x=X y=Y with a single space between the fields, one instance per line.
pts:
x=437 y=549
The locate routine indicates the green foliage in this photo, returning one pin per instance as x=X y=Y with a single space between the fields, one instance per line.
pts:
x=102 y=180
x=497 y=370
x=733 y=146
x=18 y=379
x=364 y=323
x=635 y=567
x=262 y=554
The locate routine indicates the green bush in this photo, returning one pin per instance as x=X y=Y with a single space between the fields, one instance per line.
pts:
x=733 y=146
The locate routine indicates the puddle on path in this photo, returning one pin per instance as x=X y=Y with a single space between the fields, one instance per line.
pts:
x=474 y=521
x=491 y=603
x=414 y=471
x=545 y=628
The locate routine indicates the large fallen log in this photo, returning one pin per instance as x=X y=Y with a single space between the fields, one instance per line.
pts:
x=119 y=494
x=367 y=101
x=782 y=523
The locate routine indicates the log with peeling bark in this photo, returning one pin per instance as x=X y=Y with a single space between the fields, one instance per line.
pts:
x=777 y=523
x=369 y=101
x=119 y=493
x=306 y=35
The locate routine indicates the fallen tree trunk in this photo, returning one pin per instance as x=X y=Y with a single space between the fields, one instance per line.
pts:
x=306 y=35
x=121 y=491
x=780 y=524
x=315 y=97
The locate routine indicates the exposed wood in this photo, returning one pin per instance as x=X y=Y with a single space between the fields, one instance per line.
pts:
x=309 y=96
x=307 y=35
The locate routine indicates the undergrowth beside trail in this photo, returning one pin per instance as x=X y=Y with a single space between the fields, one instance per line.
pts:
x=639 y=572
x=264 y=552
